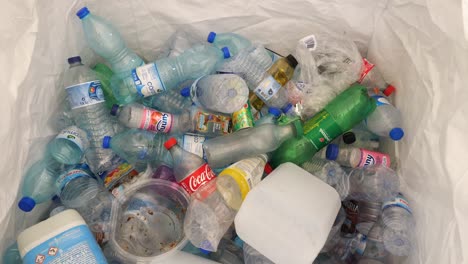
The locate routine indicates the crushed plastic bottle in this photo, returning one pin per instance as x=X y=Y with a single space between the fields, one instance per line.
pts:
x=233 y=41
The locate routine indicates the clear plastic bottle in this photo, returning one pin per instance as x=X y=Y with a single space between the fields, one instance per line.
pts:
x=371 y=183
x=172 y=101
x=246 y=143
x=223 y=93
x=69 y=146
x=360 y=139
x=375 y=248
x=335 y=234
x=89 y=112
x=349 y=250
x=270 y=118
x=107 y=42
x=252 y=256
x=386 y=120
x=369 y=211
x=233 y=41
x=165 y=74
x=356 y=157
x=326 y=170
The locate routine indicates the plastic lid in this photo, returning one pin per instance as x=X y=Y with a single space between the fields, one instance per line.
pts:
x=226 y=52
x=170 y=143
x=114 y=109
x=389 y=90
x=26 y=204
x=185 y=92
x=396 y=133
x=211 y=37
x=75 y=59
x=298 y=127
x=83 y=12
x=106 y=142
x=291 y=60
x=287 y=108
x=332 y=151
x=268 y=169
x=349 y=137
x=274 y=111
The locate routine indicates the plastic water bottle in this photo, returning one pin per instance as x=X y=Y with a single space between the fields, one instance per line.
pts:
x=270 y=118
x=104 y=74
x=252 y=256
x=223 y=93
x=165 y=74
x=360 y=139
x=369 y=211
x=386 y=120
x=78 y=189
x=215 y=204
x=39 y=183
x=190 y=170
x=233 y=41
x=371 y=184
x=375 y=248
x=89 y=112
x=356 y=157
x=349 y=250
x=340 y=115
x=107 y=42
x=69 y=145
x=221 y=151
x=172 y=101
x=327 y=171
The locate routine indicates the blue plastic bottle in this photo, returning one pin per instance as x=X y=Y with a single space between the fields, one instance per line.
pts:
x=107 y=42
x=69 y=145
x=233 y=41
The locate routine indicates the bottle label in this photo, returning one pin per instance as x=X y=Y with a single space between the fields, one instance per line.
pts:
x=242 y=118
x=373 y=158
x=381 y=100
x=156 y=121
x=85 y=94
x=309 y=42
x=398 y=201
x=246 y=177
x=267 y=88
x=197 y=178
x=367 y=67
x=121 y=170
x=321 y=129
x=194 y=144
x=147 y=80
x=207 y=123
x=72 y=134
x=76 y=245
x=64 y=179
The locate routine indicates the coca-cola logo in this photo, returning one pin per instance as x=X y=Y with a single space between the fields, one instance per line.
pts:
x=199 y=178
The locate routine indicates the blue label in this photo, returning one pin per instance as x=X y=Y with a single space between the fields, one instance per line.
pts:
x=64 y=179
x=85 y=94
x=398 y=201
x=76 y=245
x=147 y=80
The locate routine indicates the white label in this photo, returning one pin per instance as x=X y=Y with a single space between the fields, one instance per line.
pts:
x=194 y=144
x=248 y=166
x=267 y=88
x=147 y=80
x=72 y=134
x=398 y=201
x=85 y=94
x=309 y=42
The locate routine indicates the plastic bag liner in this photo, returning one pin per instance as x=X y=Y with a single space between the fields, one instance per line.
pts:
x=420 y=46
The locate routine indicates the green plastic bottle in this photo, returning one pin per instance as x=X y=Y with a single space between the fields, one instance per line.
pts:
x=104 y=74
x=340 y=115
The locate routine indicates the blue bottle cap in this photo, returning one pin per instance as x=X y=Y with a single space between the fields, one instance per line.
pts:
x=83 y=12
x=396 y=133
x=106 y=142
x=211 y=37
x=204 y=251
x=332 y=151
x=287 y=108
x=26 y=204
x=185 y=92
x=226 y=52
x=114 y=109
x=75 y=59
x=274 y=111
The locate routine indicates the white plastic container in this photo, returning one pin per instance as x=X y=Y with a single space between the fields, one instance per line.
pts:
x=288 y=215
x=62 y=238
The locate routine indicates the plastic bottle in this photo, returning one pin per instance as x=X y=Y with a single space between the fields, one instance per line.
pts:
x=251 y=63
x=350 y=250
x=107 y=42
x=89 y=112
x=341 y=114
x=252 y=256
x=360 y=139
x=190 y=170
x=397 y=214
x=374 y=183
x=223 y=93
x=165 y=74
x=172 y=101
x=233 y=41
x=11 y=255
x=105 y=74
x=327 y=171
x=214 y=206
x=246 y=143
x=375 y=248
x=270 y=118
x=356 y=157
x=78 y=189
x=69 y=146
x=386 y=120
x=38 y=183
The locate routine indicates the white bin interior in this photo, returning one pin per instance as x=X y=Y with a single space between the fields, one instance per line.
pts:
x=421 y=47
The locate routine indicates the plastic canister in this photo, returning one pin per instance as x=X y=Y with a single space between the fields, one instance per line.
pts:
x=62 y=238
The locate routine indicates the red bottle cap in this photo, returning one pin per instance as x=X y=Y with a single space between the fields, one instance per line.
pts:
x=268 y=169
x=389 y=90
x=170 y=143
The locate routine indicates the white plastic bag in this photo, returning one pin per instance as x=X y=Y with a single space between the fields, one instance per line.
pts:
x=420 y=46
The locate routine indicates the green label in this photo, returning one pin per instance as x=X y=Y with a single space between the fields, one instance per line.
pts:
x=321 y=129
x=242 y=118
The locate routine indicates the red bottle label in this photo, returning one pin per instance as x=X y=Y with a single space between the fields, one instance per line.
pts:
x=197 y=178
x=156 y=121
x=372 y=158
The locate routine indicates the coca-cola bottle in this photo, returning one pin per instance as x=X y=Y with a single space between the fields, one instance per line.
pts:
x=190 y=170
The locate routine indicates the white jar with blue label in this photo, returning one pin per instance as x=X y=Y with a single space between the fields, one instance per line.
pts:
x=63 y=238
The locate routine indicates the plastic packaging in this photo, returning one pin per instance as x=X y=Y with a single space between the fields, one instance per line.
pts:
x=356 y=157
x=375 y=243
x=386 y=120
x=233 y=41
x=69 y=145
